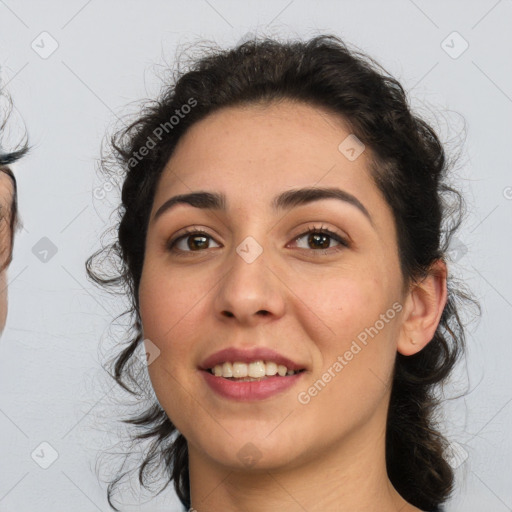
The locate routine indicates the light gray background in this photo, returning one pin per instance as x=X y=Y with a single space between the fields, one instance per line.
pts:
x=110 y=54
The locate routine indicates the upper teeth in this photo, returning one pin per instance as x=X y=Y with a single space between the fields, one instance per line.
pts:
x=255 y=369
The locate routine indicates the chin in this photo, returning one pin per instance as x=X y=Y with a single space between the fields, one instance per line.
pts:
x=249 y=451
x=246 y=455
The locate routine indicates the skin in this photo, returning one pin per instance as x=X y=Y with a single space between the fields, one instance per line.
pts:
x=328 y=454
x=6 y=196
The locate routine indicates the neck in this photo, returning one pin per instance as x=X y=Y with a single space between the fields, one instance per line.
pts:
x=352 y=477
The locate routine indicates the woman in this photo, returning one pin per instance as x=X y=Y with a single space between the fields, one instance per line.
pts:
x=282 y=242
x=8 y=220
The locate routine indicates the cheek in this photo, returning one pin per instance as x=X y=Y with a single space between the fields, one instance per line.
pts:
x=172 y=306
x=342 y=306
x=167 y=309
x=355 y=338
x=167 y=300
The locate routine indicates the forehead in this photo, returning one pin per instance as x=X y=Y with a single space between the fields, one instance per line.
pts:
x=264 y=148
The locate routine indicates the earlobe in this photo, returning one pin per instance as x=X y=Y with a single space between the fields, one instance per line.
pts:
x=423 y=309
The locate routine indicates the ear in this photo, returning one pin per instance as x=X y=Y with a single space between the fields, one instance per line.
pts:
x=424 y=306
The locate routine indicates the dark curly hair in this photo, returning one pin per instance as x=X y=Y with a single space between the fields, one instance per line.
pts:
x=408 y=165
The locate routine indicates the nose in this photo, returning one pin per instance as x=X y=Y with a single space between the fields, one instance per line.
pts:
x=250 y=289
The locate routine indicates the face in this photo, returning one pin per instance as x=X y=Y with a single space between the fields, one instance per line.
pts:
x=6 y=196
x=256 y=278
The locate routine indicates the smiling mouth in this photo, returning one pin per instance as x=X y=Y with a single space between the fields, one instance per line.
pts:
x=254 y=371
x=255 y=379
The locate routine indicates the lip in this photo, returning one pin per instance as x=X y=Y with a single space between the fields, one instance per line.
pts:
x=237 y=355
x=250 y=390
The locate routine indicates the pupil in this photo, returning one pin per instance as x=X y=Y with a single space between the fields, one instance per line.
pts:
x=196 y=237
x=317 y=236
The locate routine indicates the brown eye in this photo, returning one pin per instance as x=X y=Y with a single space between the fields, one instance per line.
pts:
x=321 y=238
x=191 y=241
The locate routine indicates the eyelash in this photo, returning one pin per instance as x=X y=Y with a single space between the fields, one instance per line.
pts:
x=344 y=244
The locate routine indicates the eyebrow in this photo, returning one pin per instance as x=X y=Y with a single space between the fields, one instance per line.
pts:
x=284 y=201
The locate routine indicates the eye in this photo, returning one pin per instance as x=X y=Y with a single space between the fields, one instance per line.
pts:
x=320 y=238
x=196 y=240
